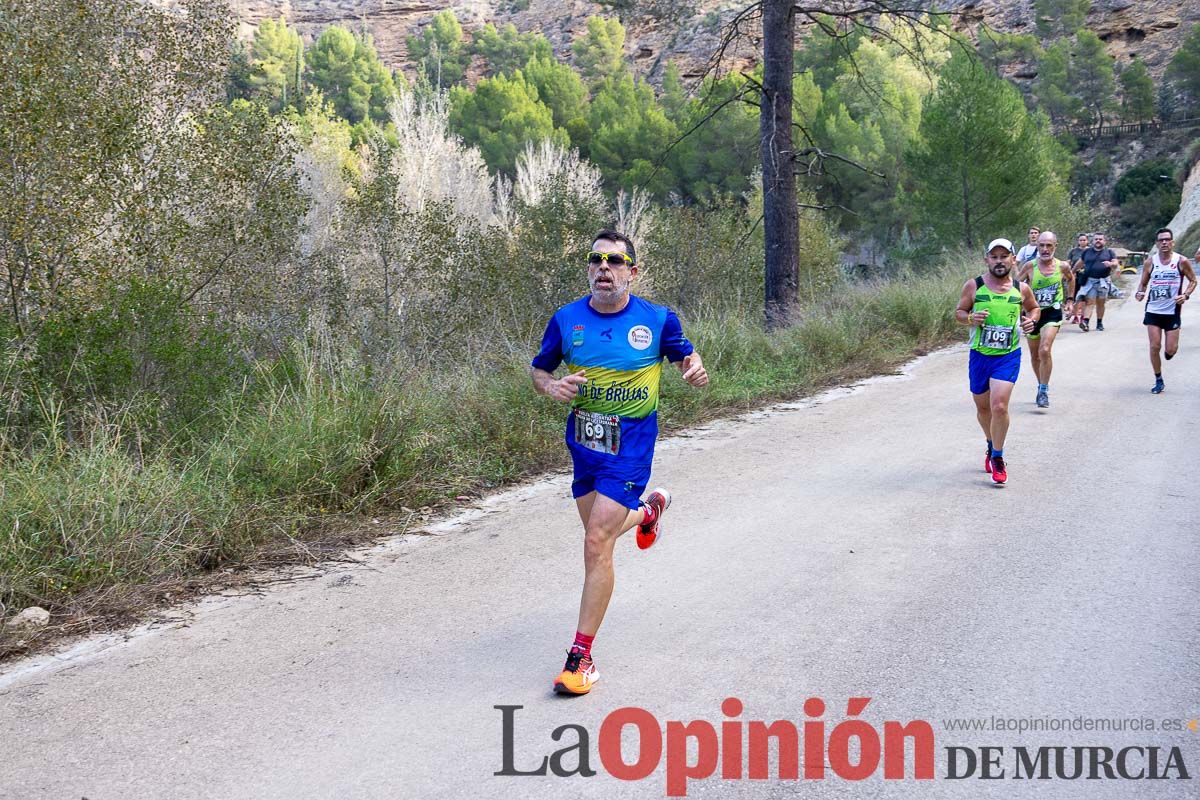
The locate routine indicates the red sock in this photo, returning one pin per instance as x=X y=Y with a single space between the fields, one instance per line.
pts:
x=583 y=643
x=649 y=514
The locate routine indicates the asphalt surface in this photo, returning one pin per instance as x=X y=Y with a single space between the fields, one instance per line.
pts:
x=849 y=546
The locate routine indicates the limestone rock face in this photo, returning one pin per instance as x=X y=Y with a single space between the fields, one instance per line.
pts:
x=1189 y=207
x=1149 y=29
x=390 y=22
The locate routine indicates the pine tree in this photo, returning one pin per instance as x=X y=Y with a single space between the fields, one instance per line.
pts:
x=505 y=50
x=1092 y=78
x=982 y=159
x=440 y=51
x=1053 y=86
x=1184 y=71
x=347 y=70
x=630 y=135
x=599 y=53
x=500 y=116
x=1137 y=92
x=276 y=65
x=1060 y=17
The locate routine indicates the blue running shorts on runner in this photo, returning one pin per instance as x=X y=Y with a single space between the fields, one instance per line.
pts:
x=620 y=480
x=984 y=367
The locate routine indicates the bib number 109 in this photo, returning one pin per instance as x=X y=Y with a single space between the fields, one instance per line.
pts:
x=999 y=337
x=599 y=432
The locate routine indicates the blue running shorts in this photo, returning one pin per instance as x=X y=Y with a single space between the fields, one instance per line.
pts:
x=984 y=368
x=617 y=479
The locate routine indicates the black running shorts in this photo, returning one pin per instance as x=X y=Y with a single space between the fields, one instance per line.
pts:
x=1049 y=316
x=1168 y=322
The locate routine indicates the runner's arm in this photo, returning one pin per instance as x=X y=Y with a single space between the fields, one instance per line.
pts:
x=693 y=370
x=1144 y=281
x=561 y=389
x=1029 y=305
x=962 y=313
x=1185 y=267
x=1068 y=278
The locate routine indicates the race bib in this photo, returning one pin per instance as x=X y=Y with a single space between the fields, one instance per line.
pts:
x=1045 y=296
x=599 y=432
x=999 y=337
x=1160 y=292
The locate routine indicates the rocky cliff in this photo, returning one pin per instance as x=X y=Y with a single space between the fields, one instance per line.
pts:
x=1148 y=29
x=390 y=22
x=1185 y=222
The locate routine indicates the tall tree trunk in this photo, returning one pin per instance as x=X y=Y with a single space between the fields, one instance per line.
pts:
x=781 y=224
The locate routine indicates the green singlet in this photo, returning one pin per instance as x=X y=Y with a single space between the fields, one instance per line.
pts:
x=1047 y=289
x=999 y=334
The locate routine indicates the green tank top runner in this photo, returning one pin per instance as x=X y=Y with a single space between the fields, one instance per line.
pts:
x=1047 y=289
x=999 y=333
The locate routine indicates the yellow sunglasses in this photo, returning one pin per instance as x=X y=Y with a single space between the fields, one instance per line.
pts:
x=595 y=258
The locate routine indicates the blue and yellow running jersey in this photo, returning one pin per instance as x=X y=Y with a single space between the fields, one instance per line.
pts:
x=621 y=354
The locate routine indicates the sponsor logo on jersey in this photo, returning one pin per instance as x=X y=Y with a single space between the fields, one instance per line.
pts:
x=640 y=337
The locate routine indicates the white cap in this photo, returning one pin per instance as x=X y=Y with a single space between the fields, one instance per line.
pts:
x=1005 y=243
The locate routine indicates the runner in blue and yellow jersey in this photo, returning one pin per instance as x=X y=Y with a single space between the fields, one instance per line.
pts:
x=1053 y=284
x=992 y=304
x=613 y=344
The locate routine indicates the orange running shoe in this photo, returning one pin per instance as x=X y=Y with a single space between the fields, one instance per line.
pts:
x=999 y=469
x=647 y=535
x=579 y=675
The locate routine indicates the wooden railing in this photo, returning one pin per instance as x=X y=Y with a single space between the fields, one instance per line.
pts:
x=1135 y=128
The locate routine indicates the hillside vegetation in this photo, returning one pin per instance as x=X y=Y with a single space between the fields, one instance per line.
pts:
x=249 y=287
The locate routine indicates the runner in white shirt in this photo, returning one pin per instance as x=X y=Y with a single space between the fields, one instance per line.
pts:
x=1162 y=274
x=1029 y=251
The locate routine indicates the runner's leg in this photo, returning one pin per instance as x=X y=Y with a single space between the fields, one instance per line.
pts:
x=1172 y=343
x=999 y=394
x=983 y=413
x=584 y=506
x=1044 y=346
x=1155 y=345
x=606 y=521
x=1035 y=354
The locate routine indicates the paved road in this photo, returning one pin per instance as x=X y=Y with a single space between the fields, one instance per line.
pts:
x=842 y=548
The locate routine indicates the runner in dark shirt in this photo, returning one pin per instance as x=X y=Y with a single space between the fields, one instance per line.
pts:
x=1098 y=263
x=1075 y=260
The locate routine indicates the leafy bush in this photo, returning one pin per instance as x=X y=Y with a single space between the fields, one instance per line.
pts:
x=1147 y=198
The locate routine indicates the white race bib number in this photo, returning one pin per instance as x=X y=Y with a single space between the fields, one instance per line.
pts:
x=599 y=432
x=1045 y=296
x=1160 y=292
x=998 y=337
